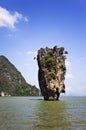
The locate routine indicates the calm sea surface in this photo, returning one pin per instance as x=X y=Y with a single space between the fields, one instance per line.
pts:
x=33 y=113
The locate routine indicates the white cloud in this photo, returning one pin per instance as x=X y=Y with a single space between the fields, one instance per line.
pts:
x=68 y=63
x=70 y=76
x=25 y=19
x=7 y=19
x=75 y=91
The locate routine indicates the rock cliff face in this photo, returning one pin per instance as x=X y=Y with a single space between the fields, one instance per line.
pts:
x=52 y=70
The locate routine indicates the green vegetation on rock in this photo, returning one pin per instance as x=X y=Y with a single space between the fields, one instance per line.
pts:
x=48 y=61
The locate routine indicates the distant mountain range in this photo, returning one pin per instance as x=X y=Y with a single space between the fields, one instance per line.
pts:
x=12 y=82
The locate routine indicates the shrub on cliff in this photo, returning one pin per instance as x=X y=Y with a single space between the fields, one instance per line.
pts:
x=48 y=61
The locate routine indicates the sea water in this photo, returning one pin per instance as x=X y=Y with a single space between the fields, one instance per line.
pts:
x=33 y=113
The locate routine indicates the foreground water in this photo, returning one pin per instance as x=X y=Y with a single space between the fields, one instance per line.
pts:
x=33 y=113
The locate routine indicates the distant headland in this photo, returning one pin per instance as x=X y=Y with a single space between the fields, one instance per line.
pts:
x=12 y=83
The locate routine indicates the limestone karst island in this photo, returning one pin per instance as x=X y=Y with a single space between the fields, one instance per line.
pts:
x=12 y=83
x=51 y=73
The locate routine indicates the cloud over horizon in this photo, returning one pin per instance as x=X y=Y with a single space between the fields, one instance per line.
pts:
x=68 y=63
x=8 y=19
x=70 y=76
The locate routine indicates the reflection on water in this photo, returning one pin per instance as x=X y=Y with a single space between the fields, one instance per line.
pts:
x=32 y=113
x=52 y=115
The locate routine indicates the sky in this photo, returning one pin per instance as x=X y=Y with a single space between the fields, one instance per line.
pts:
x=28 y=25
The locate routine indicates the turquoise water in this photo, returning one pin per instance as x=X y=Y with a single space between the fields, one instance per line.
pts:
x=33 y=113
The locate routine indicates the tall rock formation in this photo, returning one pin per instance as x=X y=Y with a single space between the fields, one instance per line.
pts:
x=51 y=73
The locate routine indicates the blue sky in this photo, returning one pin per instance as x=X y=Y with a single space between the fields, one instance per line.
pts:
x=27 y=25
